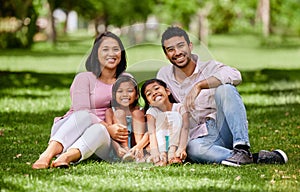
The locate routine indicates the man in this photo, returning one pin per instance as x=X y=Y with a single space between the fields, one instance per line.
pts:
x=218 y=120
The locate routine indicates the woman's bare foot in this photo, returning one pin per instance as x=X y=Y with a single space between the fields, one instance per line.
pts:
x=41 y=163
x=64 y=160
x=61 y=162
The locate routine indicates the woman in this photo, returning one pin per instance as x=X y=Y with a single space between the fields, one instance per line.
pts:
x=82 y=131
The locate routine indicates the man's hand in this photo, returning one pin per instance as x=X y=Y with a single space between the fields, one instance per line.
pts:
x=189 y=102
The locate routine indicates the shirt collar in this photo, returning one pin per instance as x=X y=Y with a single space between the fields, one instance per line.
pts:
x=195 y=58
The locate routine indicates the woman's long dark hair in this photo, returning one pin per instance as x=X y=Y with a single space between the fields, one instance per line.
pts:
x=92 y=63
x=150 y=81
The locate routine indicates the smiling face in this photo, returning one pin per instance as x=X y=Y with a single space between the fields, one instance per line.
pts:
x=109 y=53
x=178 y=51
x=126 y=94
x=156 y=95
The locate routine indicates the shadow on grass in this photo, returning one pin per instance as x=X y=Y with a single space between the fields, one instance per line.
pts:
x=65 y=46
x=270 y=75
x=28 y=79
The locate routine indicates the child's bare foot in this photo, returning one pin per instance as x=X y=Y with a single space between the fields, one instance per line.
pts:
x=128 y=157
x=161 y=163
x=139 y=157
x=175 y=161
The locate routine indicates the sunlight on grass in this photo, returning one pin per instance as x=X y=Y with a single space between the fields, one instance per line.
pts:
x=273 y=93
x=265 y=100
x=33 y=101
x=29 y=101
x=132 y=177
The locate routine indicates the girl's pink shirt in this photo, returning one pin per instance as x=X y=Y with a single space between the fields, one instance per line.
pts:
x=90 y=94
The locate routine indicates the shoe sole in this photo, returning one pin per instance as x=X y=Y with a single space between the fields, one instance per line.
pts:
x=283 y=155
x=228 y=163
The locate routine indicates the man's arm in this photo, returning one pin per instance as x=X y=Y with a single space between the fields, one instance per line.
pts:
x=208 y=83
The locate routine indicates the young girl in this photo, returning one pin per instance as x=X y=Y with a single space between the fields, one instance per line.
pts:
x=167 y=123
x=126 y=112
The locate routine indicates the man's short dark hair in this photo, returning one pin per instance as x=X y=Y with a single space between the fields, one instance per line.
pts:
x=174 y=31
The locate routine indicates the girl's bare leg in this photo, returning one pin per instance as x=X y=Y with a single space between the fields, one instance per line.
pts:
x=171 y=152
x=52 y=150
x=138 y=125
x=120 y=117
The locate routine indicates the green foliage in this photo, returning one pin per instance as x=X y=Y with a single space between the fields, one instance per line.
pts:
x=127 y=12
x=26 y=16
x=285 y=16
x=176 y=12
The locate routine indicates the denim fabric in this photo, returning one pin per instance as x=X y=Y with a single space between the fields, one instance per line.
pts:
x=228 y=130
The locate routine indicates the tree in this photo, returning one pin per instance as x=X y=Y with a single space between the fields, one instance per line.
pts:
x=176 y=12
x=263 y=15
x=24 y=15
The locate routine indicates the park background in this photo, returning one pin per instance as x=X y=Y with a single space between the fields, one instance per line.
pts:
x=44 y=43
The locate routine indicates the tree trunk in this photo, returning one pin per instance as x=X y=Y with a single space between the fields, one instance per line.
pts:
x=50 y=29
x=263 y=15
x=203 y=23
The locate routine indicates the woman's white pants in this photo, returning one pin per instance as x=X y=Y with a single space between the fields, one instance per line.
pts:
x=78 y=132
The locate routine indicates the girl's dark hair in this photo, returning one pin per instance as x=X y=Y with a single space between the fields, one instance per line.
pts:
x=122 y=79
x=150 y=81
x=173 y=31
x=92 y=63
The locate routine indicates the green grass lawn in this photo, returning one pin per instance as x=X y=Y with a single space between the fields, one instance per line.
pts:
x=34 y=88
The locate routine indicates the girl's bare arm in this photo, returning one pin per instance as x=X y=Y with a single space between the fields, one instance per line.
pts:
x=184 y=133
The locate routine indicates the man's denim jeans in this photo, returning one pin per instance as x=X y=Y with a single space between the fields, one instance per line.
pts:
x=229 y=129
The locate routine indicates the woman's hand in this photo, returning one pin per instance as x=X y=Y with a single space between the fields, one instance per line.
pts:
x=118 y=132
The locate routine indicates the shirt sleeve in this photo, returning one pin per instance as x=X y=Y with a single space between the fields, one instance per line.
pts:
x=80 y=93
x=226 y=74
x=152 y=111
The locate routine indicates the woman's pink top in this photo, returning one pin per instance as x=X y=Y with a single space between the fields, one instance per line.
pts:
x=90 y=94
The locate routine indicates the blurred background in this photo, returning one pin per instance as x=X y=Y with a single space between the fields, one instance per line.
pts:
x=26 y=22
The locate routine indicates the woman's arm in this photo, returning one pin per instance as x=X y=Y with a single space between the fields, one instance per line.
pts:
x=80 y=92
